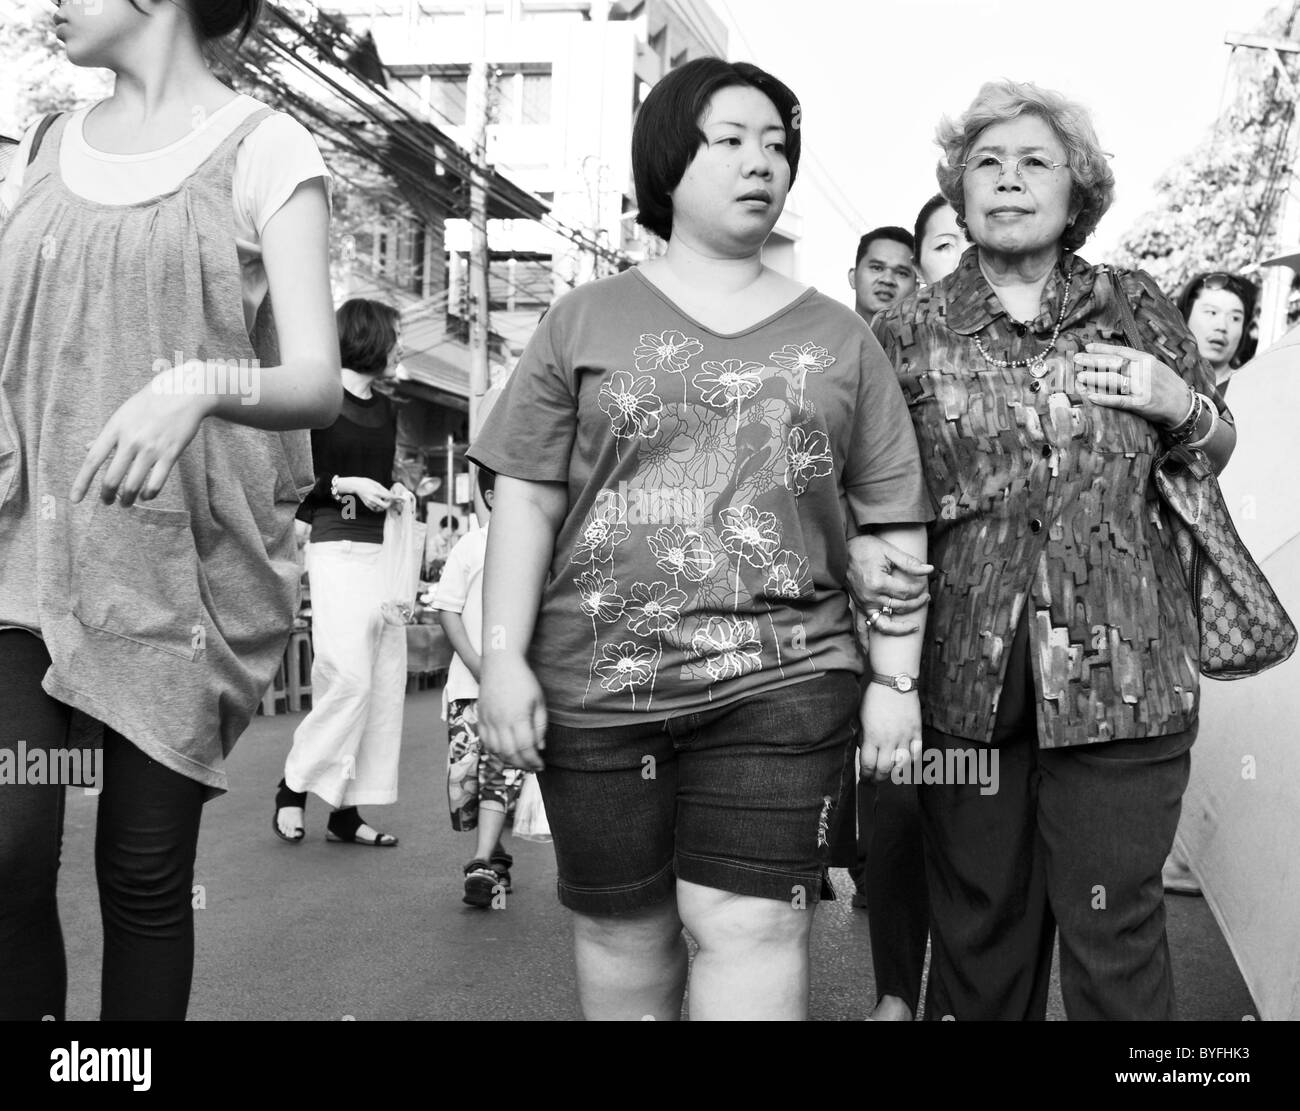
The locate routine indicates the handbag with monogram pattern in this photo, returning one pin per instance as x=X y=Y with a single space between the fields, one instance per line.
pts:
x=1243 y=627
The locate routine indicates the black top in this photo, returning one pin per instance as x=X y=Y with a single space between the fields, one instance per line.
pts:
x=362 y=442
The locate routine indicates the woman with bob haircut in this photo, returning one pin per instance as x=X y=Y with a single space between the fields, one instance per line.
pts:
x=346 y=750
x=1063 y=635
x=667 y=628
x=149 y=473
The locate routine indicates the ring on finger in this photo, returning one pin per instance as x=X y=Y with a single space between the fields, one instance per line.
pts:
x=887 y=609
x=873 y=615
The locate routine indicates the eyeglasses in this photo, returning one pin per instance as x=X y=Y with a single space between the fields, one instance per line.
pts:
x=1223 y=280
x=1027 y=166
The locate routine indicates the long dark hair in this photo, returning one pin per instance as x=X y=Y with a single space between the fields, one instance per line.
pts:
x=214 y=19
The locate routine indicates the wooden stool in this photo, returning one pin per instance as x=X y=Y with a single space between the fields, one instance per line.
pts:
x=275 y=694
x=297 y=668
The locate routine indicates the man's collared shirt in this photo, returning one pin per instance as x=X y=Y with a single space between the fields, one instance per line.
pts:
x=1044 y=500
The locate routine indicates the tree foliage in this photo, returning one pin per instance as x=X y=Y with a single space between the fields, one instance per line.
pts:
x=1220 y=205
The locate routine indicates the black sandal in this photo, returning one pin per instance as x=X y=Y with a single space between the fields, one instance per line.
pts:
x=343 y=825
x=286 y=799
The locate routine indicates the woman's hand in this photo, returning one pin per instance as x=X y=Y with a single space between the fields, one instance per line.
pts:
x=891 y=730
x=374 y=496
x=145 y=437
x=885 y=578
x=512 y=711
x=1125 y=378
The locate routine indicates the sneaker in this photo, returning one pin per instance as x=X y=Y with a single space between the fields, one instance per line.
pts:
x=480 y=883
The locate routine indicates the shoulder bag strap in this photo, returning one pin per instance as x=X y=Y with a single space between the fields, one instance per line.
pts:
x=41 y=129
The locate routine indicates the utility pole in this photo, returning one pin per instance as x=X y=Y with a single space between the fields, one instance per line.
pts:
x=1277 y=279
x=477 y=119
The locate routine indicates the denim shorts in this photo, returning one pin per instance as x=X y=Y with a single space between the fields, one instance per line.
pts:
x=742 y=798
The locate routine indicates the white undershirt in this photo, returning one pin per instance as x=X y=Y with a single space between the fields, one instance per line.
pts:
x=271 y=162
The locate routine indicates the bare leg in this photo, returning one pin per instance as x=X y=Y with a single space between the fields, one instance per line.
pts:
x=753 y=958
x=491 y=822
x=631 y=966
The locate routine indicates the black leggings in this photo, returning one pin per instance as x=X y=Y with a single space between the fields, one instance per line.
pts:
x=146 y=835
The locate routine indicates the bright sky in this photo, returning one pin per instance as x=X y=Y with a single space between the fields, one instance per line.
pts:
x=875 y=77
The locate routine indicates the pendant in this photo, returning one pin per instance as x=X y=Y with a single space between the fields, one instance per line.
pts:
x=1037 y=368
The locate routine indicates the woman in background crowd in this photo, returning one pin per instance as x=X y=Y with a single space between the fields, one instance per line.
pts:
x=939 y=240
x=346 y=750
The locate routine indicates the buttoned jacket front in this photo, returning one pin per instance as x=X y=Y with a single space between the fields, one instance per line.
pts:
x=1045 y=499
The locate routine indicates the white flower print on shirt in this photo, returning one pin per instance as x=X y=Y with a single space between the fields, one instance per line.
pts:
x=681 y=552
x=655 y=608
x=788 y=576
x=801 y=360
x=727 y=384
x=631 y=405
x=729 y=647
x=625 y=665
x=752 y=536
x=604 y=531
x=600 y=597
x=670 y=351
x=808 y=456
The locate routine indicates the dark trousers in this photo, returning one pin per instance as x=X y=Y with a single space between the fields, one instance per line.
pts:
x=146 y=835
x=1072 y=840
x=890 y=871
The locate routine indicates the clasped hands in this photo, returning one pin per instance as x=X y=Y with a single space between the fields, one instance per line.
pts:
x=887 y=585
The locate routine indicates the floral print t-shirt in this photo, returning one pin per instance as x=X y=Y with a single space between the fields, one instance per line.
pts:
x=712 y=481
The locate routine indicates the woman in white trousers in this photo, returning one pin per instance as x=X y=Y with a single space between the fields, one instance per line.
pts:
x=346 y=750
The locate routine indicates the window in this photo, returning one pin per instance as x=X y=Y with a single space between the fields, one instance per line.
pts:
x=523 y=97
x=447 y=97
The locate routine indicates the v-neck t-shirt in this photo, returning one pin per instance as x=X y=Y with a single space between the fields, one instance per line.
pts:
x=712 y=481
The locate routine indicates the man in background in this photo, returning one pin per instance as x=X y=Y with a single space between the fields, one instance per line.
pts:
x=884 y=271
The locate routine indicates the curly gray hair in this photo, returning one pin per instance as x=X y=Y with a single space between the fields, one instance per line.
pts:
x=1093 y=183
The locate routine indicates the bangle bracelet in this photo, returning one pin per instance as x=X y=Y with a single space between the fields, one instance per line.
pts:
x=1214 y=427
x=1184 y=428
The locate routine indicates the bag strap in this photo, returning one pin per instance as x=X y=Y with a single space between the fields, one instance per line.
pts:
x=1131 y=335
x=41 y=129
x=1177 y=455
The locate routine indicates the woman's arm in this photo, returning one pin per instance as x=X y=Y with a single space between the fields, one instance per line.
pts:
x=150 y=430
x=891 y=720
x=526 y=518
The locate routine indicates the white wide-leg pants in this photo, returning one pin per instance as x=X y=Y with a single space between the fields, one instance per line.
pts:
x=346 y=750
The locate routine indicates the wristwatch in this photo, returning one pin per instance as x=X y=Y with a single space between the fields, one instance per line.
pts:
x=903 y=683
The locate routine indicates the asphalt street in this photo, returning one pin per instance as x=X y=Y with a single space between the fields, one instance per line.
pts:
x=326 y=931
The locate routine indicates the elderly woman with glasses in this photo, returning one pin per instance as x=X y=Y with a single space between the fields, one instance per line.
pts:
x=1062 y=635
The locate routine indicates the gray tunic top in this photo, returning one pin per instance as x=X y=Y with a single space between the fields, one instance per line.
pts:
x=165 y=621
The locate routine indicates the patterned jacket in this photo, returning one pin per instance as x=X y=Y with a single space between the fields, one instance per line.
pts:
x=1045 y=499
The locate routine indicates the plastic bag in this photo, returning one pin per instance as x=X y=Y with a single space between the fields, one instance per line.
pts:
x=530 y=814
x=401 y=555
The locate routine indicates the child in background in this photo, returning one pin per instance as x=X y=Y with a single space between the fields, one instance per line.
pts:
x=480 y=788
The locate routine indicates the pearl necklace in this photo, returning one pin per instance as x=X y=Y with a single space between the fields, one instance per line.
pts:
x=1037 y=364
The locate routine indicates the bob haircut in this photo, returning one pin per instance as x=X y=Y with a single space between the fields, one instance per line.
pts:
x=1093 y=184
x=1233 y=283
x=214 y=19
x=667 y=135
x=367 y=334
